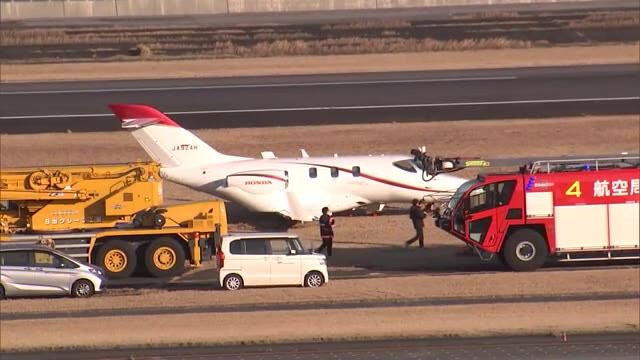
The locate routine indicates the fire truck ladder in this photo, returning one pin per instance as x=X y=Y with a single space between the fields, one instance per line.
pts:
x=592 y=164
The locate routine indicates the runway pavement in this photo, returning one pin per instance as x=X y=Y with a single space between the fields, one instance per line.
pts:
x=614 y=346
x=329 y=99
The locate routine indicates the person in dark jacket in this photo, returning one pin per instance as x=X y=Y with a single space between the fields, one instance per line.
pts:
x=417 y=215
x=326 y=231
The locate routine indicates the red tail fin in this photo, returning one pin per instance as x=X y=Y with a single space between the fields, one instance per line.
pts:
x=138 y=114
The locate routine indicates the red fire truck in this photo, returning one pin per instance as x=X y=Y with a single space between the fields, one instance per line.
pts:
x=572 y=210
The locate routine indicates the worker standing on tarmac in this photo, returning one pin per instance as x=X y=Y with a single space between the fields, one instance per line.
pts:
x=326 y=231
x=417 y=215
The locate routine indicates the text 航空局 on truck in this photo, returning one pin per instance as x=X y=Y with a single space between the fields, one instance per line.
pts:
x=571 y=210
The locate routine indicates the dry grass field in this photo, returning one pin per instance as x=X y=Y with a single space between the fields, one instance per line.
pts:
x=441 y=60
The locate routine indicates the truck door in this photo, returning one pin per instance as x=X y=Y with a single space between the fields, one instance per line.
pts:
x=480 y=214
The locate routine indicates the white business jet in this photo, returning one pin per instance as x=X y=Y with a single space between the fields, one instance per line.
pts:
x=296 y=188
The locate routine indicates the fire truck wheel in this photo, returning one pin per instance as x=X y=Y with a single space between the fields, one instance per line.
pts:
x=117 y=258
x=525 y=250
x=164 y=257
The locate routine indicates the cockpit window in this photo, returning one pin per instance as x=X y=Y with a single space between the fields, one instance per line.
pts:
x=405 y=165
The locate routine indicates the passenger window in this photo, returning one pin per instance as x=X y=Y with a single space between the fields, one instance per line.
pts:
x=255 y=247
x=235 y=247
x=334 y=172
x=45 y=259
x=505 y=191
x=67 y=264
x=279 y=247
x=355 y=171
x=14 y=258
x=313 y=173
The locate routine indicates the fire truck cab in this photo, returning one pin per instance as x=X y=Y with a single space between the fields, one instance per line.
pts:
x=572 y=210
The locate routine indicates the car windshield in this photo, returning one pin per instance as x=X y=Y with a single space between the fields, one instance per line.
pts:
x=453 y=202
x=296 y=245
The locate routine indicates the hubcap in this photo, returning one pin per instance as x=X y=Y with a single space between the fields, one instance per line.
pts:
x=525 y=251
x=115 y=260
x=83 y=289
x=314 y=280
x=164 y=258
x=233 y=283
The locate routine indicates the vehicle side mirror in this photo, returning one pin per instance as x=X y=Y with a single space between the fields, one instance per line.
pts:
x=61 y=266
x=292 y=252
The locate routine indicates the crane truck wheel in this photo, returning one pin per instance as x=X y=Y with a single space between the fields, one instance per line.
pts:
x=164 y=257
x=525 y=250
x=117 y=258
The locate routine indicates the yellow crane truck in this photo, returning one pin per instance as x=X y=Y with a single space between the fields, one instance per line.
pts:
x=108 y=215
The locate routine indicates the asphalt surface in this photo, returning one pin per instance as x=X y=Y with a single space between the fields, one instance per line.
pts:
x=329 y=99
x=616 y=346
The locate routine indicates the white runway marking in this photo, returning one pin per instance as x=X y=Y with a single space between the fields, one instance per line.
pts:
x=353 y=107
x=255 y=86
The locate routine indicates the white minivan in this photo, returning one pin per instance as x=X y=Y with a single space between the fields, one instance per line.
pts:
x=261 y=259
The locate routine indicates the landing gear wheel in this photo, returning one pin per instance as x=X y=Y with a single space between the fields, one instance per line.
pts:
x=313 y=279
x=164 y=257
x=117 y=258
x=82 y=289
x=525 y=250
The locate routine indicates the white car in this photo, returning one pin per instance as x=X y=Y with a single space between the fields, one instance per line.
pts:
x=262 y=259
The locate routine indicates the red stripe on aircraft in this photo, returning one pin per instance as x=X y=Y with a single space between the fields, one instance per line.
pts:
x=381 y=180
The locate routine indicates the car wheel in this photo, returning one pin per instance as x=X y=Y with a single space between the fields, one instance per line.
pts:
x=313 y=279
x=2 y=294
x=525 y=250
x=82 y=289
x=233 y=282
